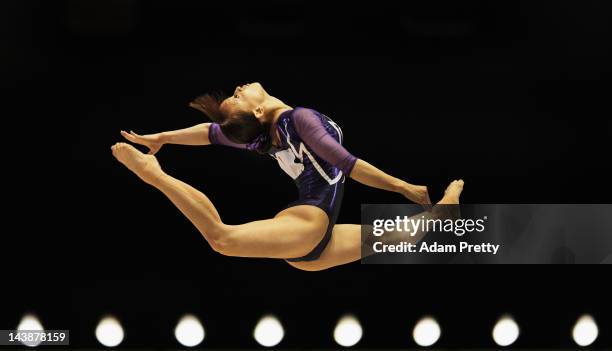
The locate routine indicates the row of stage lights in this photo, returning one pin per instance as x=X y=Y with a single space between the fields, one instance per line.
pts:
x=269 y=331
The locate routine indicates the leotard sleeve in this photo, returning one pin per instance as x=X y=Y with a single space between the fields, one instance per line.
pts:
x=310 y=129
x=216 y=136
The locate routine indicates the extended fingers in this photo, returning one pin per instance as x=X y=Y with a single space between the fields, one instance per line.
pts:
x=129 y=136
x=138 y=136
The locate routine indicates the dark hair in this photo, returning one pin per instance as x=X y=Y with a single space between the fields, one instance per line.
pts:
x=240 y=127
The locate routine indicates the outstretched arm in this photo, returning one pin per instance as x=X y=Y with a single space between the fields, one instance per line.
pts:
x=367 y=174
x=201 y=134
x=196 y=135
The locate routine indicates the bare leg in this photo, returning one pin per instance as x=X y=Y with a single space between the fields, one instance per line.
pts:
x=195 y=205
x=345 y=245
x=291 y=233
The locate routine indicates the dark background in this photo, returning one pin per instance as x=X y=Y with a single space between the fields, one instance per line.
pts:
x=513 y=97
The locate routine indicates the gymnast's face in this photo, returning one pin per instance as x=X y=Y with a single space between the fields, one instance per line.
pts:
x=246 y=98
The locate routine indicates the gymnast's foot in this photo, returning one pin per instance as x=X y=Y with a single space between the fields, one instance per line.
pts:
x=452 y=193
x=144 y=166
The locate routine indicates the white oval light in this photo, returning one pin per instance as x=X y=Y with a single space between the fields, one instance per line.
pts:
x=30 y=322
x=109 y=332
x=426 y=332
x=189 y=331
x=506 y=331
x=348 y=331
x=268 y=331
x=585 y=331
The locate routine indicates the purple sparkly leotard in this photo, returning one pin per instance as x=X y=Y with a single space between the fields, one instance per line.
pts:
x=312 y=154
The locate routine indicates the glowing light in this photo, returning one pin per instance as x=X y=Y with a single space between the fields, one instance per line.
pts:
x=189 y=331
x=506 y=331
x=585 y=331
x=268 y=331
x=426 y=332
x=109 y=332
x=30 y=322
x=348 y=331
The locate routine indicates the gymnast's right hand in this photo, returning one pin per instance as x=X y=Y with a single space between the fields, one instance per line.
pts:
x=153 y=141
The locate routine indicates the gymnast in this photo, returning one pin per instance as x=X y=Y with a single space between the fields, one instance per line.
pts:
x=307 y=145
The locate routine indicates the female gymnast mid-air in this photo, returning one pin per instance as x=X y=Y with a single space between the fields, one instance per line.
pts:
x=308 y=147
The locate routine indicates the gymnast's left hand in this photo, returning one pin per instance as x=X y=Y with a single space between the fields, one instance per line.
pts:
x=153 y=141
